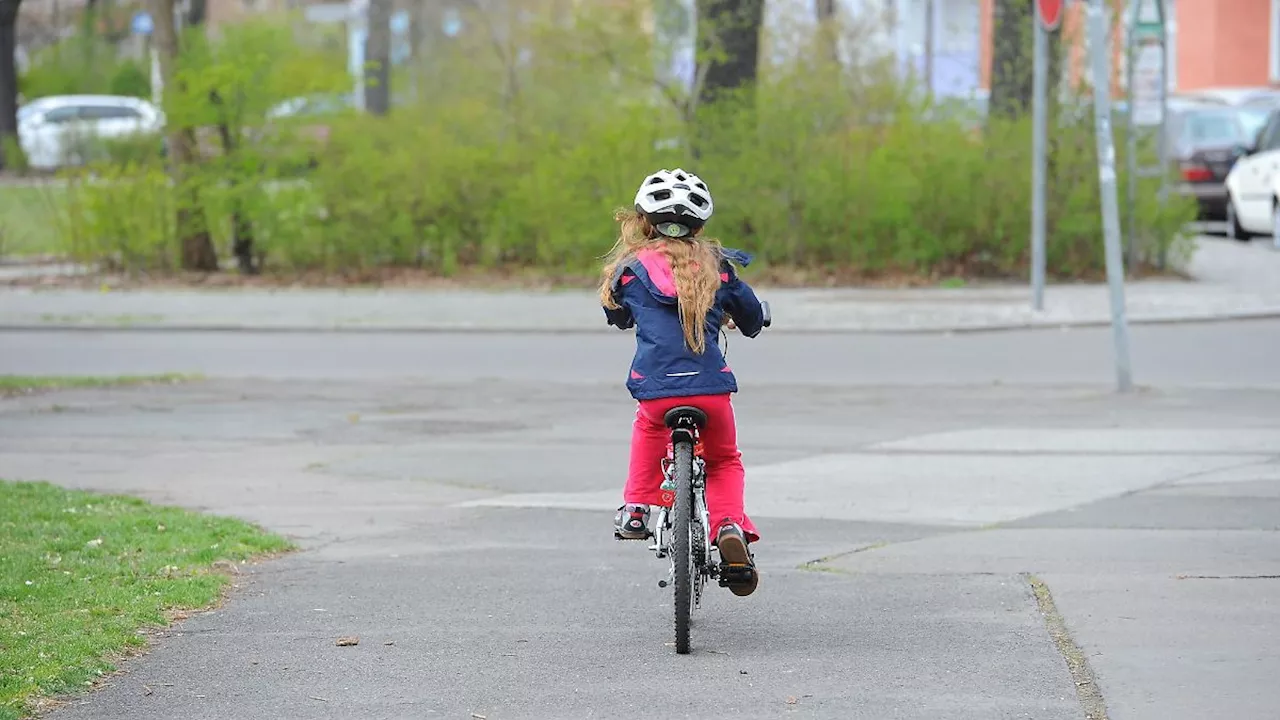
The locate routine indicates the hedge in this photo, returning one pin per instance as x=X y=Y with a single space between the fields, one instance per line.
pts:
x=519 y=163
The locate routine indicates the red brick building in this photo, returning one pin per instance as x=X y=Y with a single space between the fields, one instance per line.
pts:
x=1212 y=43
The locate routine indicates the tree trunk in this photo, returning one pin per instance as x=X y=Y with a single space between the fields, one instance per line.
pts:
x=1012 y=58
x=197 y=10
x=198 y=252
x=828 y=28
x=242 y=235
x=9 y=82
x=377 y=53
x=729 y=36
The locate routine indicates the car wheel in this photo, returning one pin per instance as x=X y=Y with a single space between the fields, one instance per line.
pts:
x=1234 y=230
x=1275 y=223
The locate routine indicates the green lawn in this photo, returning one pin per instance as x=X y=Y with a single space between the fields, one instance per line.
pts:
x=11 y=385
x=29 y=217
x=82 y=574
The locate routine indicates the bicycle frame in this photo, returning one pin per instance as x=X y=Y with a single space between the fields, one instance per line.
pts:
x=701 y=529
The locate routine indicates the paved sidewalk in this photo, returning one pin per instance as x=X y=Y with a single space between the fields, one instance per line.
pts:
x=958 y=553
x=1232 y=281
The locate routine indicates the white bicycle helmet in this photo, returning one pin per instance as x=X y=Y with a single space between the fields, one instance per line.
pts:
x=675 y=202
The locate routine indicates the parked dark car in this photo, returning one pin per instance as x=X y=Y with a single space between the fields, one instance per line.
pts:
x=1203 y=141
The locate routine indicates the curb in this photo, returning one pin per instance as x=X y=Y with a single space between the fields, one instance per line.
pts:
x=997 y=327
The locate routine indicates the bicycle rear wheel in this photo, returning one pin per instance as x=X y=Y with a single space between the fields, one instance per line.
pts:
x=681 y=548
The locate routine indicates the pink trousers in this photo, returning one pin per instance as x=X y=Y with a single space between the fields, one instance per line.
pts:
x=725 y=477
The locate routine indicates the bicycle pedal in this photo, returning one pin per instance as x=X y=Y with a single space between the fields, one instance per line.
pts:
x=735 y=573
x=618 y=536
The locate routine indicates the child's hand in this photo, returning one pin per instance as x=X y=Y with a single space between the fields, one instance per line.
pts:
x=728 y=323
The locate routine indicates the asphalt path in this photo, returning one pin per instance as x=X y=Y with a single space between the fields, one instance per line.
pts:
x=963 y=526
x=1236 y=353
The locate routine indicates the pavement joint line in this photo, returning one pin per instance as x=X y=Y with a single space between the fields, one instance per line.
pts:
x=1086 y=681
x=1269 y=458
x=820 y=564
x=1269 y=455
x=1227 y=577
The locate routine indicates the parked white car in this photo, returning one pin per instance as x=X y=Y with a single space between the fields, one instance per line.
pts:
x=1253 y=185
x=53 y=130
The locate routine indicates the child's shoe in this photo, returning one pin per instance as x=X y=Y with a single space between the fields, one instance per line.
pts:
x=632 y=522
x=737 y=565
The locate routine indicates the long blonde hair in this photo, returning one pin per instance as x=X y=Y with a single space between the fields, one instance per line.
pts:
x=695 y=263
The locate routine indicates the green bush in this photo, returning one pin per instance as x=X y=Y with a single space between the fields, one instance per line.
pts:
x=131 y=79
x=122 y=216
x=81 y=65
x=518 y=161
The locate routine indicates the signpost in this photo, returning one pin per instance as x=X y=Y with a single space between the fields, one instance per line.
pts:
x=1148 y=72
x=142 y=25
x=1048 y=17
x=1100 y=52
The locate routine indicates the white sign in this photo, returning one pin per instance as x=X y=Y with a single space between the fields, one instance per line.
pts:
x=1148 y=83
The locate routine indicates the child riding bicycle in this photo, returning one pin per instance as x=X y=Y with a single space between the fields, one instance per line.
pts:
x=676 y=288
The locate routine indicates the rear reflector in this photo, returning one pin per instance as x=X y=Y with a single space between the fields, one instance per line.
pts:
x=1196 y=173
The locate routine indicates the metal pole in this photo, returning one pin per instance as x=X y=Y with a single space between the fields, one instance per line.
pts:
x=929 y=39
x=1039 y=160
x=1132 y=145
x=1161 y=138
x=1100 y=49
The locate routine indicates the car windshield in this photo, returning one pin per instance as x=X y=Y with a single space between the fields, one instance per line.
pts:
x=1252 y=119
x=1212 y=127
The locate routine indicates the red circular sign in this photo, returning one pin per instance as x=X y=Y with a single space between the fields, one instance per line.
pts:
x=1049 y=13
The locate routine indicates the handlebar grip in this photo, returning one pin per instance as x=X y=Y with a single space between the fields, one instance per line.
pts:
x=764 y=311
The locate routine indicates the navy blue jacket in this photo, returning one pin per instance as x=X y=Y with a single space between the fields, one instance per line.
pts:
x=663 y=366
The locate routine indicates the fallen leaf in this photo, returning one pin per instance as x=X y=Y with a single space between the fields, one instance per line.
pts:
x=478 y=716
x=317 y=697
x=96 y=542
x=791 y=700
x=389 y=642
x=742 y=672
x=348 y=641
x=146 y=690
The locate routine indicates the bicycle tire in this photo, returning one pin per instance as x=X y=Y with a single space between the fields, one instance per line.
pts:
x=682 y=552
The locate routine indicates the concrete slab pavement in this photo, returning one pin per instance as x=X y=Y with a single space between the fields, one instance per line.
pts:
x=530 y=609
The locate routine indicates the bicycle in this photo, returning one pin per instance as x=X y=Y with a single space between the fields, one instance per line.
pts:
x=682 y=530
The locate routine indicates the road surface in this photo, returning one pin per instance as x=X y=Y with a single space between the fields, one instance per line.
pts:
x=1237 y=353
x=966 y=526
